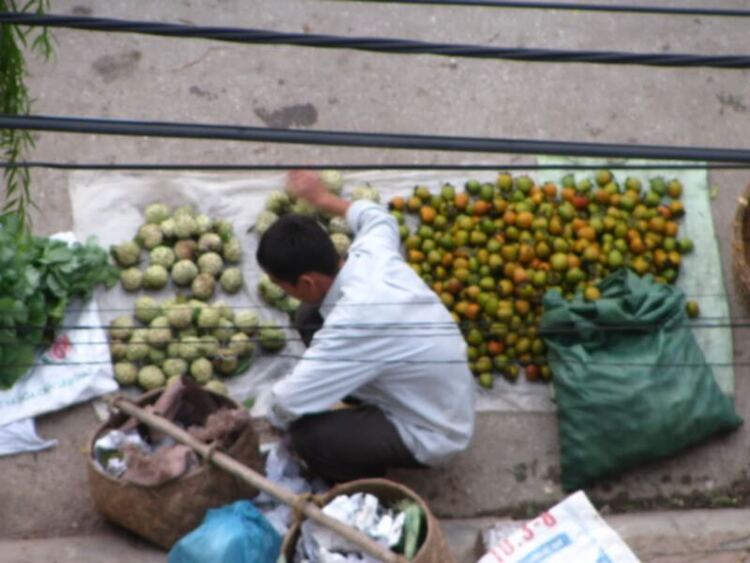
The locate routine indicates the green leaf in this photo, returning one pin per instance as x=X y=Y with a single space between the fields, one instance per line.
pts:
x=68 y=267
x=57 y=312
x=15 y=362
x=15 y=100
x=242 y=366
x=57 y=254
x=32 y=278
x=13 y=310
x=54 y=286
x=37 y=313
x=37 y=321
x=7 y=253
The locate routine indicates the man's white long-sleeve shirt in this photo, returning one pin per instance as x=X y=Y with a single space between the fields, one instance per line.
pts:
x=388 y=341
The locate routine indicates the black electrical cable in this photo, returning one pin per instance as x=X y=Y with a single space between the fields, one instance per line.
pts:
x=377 y=44
x=412 y=304
x=385 y=331
x=429 y=327
x=570 y=6
x=376 y=140
x=323 y=359
x=371 y=166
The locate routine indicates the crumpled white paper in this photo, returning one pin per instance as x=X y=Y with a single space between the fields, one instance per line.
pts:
x=319 y=544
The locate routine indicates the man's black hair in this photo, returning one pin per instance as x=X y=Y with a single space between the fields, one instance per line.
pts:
x=294 y=245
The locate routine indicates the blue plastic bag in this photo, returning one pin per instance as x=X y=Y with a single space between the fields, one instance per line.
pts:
x=235 y=533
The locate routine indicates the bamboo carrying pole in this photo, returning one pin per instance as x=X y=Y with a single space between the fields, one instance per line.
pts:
x=243 y=472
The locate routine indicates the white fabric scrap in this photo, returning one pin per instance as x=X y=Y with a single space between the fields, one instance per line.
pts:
x=113 y=442
x=117 y=439
x=284 y=470
x=20 y=436
x=116 y=466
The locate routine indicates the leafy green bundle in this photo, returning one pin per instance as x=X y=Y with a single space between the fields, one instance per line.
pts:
x=38 y=278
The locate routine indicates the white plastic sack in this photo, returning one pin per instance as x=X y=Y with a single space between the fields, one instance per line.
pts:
x=571 y=531
x=21 y=436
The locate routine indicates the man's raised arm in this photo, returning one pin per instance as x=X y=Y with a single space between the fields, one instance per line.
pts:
x=307 y=185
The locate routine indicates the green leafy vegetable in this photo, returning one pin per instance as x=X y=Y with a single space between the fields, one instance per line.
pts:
x=38 y=278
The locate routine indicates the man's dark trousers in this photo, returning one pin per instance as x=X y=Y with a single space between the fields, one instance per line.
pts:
x=350 y=443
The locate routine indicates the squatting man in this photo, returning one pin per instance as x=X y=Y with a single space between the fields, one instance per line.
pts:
x=379 y=340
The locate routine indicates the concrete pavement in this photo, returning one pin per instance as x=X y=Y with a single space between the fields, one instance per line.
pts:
x=512 y=466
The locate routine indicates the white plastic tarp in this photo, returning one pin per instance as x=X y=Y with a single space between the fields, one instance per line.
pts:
x=110 y=206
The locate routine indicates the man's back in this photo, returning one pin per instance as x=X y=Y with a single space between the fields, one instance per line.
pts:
x=376 y=333
x=388 y=341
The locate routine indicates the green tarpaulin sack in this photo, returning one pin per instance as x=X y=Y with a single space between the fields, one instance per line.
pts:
x=631 y=384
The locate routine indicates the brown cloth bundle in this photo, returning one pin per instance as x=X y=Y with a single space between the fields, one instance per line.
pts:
x=187 y=404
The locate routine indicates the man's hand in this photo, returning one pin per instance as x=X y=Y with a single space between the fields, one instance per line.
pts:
x=307 y=185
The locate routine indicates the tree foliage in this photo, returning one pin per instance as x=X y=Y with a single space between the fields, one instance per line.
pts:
x=15 y=100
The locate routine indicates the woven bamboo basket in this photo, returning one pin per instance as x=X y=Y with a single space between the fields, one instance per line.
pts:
x=434 y=548
x=164 y=513
x=741 y=245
